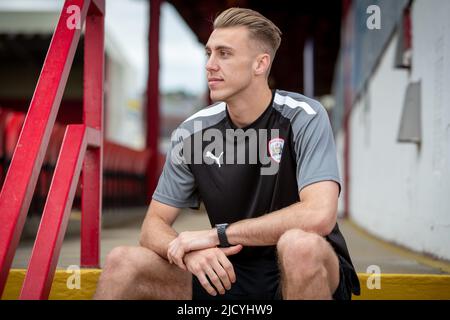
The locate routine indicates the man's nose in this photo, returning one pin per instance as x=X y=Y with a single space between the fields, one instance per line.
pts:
x=211 y=64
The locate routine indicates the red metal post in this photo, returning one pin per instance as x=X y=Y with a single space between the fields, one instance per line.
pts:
x=26 y=163
x=91 y=198
x=153 y=96
x=45 y=254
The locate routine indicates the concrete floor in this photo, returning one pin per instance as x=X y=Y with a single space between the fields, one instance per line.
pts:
x=364 y=249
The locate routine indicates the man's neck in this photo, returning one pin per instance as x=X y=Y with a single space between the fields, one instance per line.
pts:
x=248 y=106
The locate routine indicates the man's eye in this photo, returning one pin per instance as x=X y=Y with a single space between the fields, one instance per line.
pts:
x=224 y=53
x=207 y=53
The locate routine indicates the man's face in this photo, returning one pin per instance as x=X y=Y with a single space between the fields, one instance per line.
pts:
x=231 y=61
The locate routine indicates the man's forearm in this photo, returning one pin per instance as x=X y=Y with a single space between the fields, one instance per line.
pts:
x=156 y=235
x=267 y=229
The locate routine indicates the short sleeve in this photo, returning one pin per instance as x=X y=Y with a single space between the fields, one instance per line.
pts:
x=176 y=186
x=315 y=149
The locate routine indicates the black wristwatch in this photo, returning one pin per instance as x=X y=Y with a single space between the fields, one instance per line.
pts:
x=223 y=240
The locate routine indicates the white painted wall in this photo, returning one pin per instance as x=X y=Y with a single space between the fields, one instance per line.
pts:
x=339 y=138
x=399 y=192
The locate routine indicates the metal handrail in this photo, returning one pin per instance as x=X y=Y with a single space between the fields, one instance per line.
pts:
x=81 y=142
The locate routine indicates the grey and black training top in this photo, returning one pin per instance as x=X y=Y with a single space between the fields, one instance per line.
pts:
x=248 y=172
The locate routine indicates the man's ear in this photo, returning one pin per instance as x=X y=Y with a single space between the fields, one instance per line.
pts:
x=262 y=64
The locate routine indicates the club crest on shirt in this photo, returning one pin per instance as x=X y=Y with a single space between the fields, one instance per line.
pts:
x=276 y=149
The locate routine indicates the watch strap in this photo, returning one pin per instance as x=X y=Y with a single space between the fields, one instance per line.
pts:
x=221 y=233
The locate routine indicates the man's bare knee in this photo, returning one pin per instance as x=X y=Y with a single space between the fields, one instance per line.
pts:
x=135 y=262
x=116 y=258
x=297 y=248
x=307 y=258
x=123 y=263
x=138 y=272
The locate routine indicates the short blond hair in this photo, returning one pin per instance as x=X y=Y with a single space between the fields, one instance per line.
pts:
x=260 y=28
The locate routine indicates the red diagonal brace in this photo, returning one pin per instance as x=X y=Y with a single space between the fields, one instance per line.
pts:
x=47 y=246
x=26 y=163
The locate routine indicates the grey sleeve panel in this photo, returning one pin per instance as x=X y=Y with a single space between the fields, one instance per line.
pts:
x=176 y=185
x=314 y=147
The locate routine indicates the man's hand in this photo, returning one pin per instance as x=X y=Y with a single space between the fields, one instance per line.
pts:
x=190 y=241
x=213 y=263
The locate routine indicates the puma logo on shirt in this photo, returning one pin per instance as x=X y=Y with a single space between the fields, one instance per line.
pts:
x=216 y=159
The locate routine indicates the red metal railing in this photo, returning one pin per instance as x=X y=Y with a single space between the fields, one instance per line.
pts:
x=81 y=142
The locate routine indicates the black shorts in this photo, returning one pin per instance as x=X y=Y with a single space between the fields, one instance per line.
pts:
x=343 y=291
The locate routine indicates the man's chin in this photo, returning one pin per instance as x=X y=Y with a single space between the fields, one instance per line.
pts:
x=215 y=96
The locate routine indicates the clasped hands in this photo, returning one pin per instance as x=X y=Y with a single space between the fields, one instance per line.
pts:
x=197 y=252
